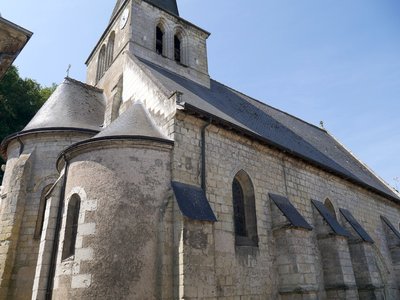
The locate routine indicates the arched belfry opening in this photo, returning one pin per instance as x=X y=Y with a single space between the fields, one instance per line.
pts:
x=101 y=63
x=244 y=210
x=110 y=50
x=160 y=36
x=178 y=48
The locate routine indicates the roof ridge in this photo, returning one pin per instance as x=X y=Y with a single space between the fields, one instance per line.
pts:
x=270 y=106
x=83 y=84
x=363 y=164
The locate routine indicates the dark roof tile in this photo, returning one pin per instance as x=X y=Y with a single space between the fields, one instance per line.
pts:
x=270 y=125
x=72 y=105
x=135 y=121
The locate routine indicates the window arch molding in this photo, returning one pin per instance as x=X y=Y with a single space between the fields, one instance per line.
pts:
x=180 y=34
x=162 y=41
x=244 y=210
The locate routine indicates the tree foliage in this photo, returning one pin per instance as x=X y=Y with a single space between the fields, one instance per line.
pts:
x=20 y=99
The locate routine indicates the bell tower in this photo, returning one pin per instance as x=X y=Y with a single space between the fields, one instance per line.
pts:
x=153 y=31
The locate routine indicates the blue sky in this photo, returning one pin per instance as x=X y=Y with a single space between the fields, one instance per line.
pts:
x=331 y=60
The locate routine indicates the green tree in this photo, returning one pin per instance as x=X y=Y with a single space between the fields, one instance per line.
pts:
x=20 y=99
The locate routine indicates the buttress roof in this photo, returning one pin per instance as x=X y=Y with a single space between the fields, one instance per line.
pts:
x=73 y=105
x=134 y=122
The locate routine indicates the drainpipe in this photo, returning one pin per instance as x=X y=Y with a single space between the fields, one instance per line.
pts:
x=53 y=262
x=203 y=155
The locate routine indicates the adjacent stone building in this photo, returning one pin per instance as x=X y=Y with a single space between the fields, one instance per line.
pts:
x=154 y=181
x=13 y=39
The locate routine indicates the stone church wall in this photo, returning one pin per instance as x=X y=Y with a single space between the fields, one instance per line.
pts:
x=20 y=203
x=254 y=272
x=124 y=242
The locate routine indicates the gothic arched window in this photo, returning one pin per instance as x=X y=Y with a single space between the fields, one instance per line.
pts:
x=244 y=210
x=159 y=40
x=101 y=63
x=41 y=212
x=328 y=204
x=110 y=50
x=71 y=226
x=177 y=48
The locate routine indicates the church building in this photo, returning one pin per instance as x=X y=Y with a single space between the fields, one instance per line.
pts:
x=154 y=181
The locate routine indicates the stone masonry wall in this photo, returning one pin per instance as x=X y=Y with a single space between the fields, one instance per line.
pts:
x=43 y=150
x=124 y=240
x=253 y=275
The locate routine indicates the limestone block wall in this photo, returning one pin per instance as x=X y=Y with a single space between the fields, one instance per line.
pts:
x=195 y=278
x=125 y=236
x=255 y=275
x=20 y=202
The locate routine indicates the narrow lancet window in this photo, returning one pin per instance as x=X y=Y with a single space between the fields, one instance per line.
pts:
x=159 y=40
x=177 y=49
x=328 y=204
x=101 y=63
x=41 y=213
x=110 y=50
x=238 y=209
x=71 y=226
x=244 y=211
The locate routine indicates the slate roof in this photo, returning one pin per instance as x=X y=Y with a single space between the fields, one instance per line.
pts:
x=117 y=7
x=356 y=226
x=72 y=105
x=167 y=5
x=329 y=219
x=290 y=212
x=192 y=202
x=134 y=122
x=269 y=125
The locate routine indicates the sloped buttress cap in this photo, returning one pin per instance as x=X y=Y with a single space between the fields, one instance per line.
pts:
x=72 y=105
x=134 y=122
